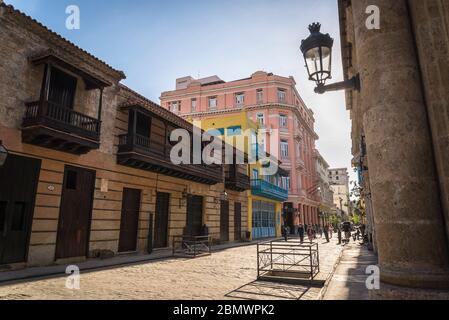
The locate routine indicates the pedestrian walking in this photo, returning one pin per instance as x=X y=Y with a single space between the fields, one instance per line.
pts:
x=326 y=233
x=331 y=231
x=339 y=235
x=310 y=233
x=301 y=233
x=285 y=232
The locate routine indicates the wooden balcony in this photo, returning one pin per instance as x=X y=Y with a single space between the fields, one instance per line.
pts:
x=237 y=181
x=52 y=126
x=143 y=153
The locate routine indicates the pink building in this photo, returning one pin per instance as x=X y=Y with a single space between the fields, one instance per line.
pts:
x=274 y=102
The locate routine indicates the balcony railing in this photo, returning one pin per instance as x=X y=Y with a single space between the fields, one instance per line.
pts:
x=266 y=189
x=50 y=125
x=144 y=153
x=237 y=181
x=61 y=118
x=134 y=140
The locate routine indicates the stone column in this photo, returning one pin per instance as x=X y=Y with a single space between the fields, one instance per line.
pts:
x=304 y=214
x=307 y=215
x=430 y=21
x=411 y=241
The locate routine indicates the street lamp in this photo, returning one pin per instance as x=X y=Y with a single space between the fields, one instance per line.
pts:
x=3 y=154
x=317 y=52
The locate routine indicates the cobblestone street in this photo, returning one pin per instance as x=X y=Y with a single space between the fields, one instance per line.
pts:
x=227 y=274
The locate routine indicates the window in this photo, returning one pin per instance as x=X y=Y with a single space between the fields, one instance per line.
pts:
x=284 y=149
x=255 y=174
x=216 y=132
x=193 y=105
x=261 y=119
x=283 y=121
x=174 y=107
x=234 y=131
x=259 y=96
x=143 y=125
x=239 y=99
x=262 y=145
x=285 y=183
x=254 y=146
x=62 y=89
x=212 y=103
x=281 y=95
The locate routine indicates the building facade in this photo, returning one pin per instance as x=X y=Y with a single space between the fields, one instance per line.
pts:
x=287 y=127
x=400 y=135
x=339 y=183
x=88 y=173
x=327 y=206
x=268 y=192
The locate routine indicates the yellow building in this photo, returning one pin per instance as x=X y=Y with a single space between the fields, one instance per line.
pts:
x=266 y=197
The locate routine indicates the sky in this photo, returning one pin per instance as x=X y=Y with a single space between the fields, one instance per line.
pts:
x=156 y=41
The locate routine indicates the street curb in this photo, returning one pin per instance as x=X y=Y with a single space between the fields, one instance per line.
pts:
x=330 y=276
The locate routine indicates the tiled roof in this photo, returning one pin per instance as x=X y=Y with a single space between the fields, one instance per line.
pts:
x=137 y=99
x=66 y=44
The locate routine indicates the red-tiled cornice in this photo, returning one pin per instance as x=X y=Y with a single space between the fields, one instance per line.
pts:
x=136 y=99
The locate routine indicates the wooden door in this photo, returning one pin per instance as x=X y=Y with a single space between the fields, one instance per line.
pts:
x=75 y=213
x=161 y=220
x=224 y=221
x=130 y=220
x=237 y=221
x=194 y=216
x=18 y=182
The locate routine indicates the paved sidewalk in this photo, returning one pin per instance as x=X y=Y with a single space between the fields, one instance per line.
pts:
x=348 y=280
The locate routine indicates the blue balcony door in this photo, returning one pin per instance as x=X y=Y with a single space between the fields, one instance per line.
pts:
x=264 y=220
